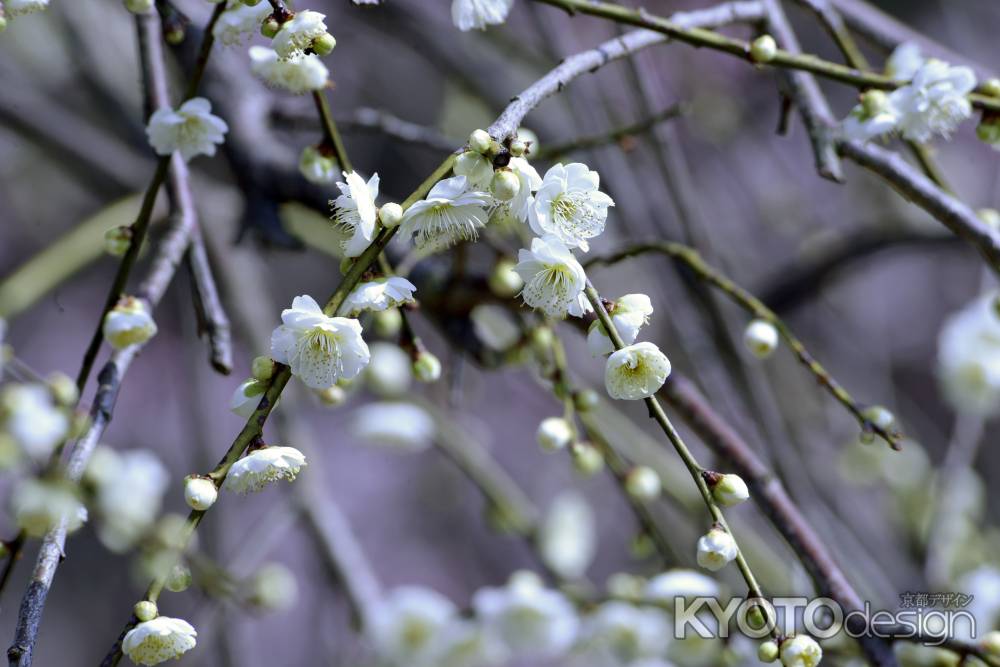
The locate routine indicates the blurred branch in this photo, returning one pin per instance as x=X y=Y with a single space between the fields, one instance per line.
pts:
x=834 y=24
x=212 y=318
x=617 y=134
x=693 y=260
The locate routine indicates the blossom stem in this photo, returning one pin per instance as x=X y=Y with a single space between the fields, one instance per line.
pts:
x=709 y=274
x=331 y=136
x=694 y=468
x=700 y=37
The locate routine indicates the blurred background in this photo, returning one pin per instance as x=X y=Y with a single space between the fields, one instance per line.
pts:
x=865 y=279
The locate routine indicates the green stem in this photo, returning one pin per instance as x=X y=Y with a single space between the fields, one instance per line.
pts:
x=331 y=135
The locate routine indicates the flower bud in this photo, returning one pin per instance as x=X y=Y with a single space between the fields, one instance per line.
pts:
x=625 y=585
x=542 y=339
x=991 y=87
x=273 y=588
x=179 y=578
x=174 y=35
x=643 y=483
x=324 y=44
x=63 y=389
x=200 y=493
x=716 y=549
x=504 y=280
x=518 y=148
x=145 y=610
x=390 y=215
x=880 y=416
x=991 y=217
x=991 y=640
x=587 y=459
x=586 y=400
x=388 y=323
x=529 y=139
x=763 y=49
x=800 y=651
x=117 y=240
x=988 y=131
x=251 y=3
x=138 y=6
x=318 y=168
x=729 y=490
x=427 y=367
x=270 y=27
x=480 y=141
x=642 y=545
x=761 y=338
x=332 y=396
x=128 y=323
x=262 y=368
x=554 y=433
x=767 y=652
x=505 y=184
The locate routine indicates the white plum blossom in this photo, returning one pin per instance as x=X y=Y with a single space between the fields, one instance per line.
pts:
x=463 y=643
x=519 y=207
x=262 y=466
x=128 y=495
x=451 y=212
x=761 y=338
x=730 y=490
x=623 y=633
x=553 y=279
x=354 y=211
x=320 y=350
x=873 y=117
x=554 y=433
x=935 y=102
x=477 y=169
x=406 y=622
x=239 y=21
x=680 y=583
x=247 y=397
x=904 y=62
x=716 y=549
x=298 y=34
x=19 y=7
x=200 y=493
x=39 y=505
x=532 y=621
x=469 y=14
x=969 y=358
x=800 y=651
x=379 y=294
x=318 y=168
x=298 y=74
x=567 y=539
x=629 y=314
x=636 y=372
x=402 y=426
x=495 y=327
x=158 y=640
x=191 y=129
x=128 y=323
x=570 y=206
x=29 y=415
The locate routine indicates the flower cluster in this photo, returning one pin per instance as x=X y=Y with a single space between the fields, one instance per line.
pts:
x=934 y=101
x=969 y=358
x=469 y=14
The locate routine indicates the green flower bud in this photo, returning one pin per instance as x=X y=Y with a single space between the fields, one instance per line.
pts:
x=138 y=6
x=262 y=368
x=767 y=652
x=518 y=148
x=643 y=483
x=505 y=185
x=390 y=215
x=763 y=49
x=504 y=280
x=480 y=141
x=324 y=44
x=179 y=578
x=145 y=610
x=270 y=27
x=63 y=389
x=587 y=459
x=388 y=322
x=117 y=240
x=427 y=367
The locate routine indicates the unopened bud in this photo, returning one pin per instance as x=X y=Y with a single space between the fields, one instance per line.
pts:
x=200 y=493
x=554 y=433
x=880 y=416
x=332 y=396
x=390 y=215
x=587 y=459
x=138 y=6
x=518 y=148
x=427 y=367
x=874 y=102
x=270 y=27
x=117 y=240
x=991 y=87
x=324 y=44
x=179 y=578
x=63 y=389
x=251 y=3
x=388 y=323
x=262 y=368
x=174 y=36
x=763 y=49
x=504 y=281
x=761 y=338
x=728 y=490
x=643 y=483
x=505 y=185
x=586 y=400
x=767 y=652
x=480 y=141
x=145 y=610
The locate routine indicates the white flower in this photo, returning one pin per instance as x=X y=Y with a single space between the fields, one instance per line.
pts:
x=567 y=538
x=554 y=433
x=664 y=588
x=390 y=371
x=246 y=398
x=553 y=280
x=317 y=168
x=904 y=62
x=495 y=327
x=128 y=496
x=379 y=294
x=800 y=651
x=402 y=426
x=636 y=371
x=159 y=640
x=629 y=314
x=519 y=207
x=30 y=416
x=320 y=350
x=463 y=643
x=406 y=621
x=261 y=467
x=298 y=34
x=451 y=212
x=477 y=169
x=18 y=7
x=532 y=621
x=969 y=358
x=874 y=117
x=128 y=323
x=625 y=633
x=273 y=588
x=761 y=338
x=39 y=506
x=298 y=74
x=469 y=14
x=354 y=211
x=238 y=21
x=191 y=129
x=569 y=205
x=730 y=490
x=643 y=483
x=716 y=549
x=935 y=102
x=200 y=493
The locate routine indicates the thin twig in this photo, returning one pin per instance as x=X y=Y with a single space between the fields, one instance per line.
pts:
x=693 y=260
x=549 y=152
x=212 y=318
x=331 y=136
